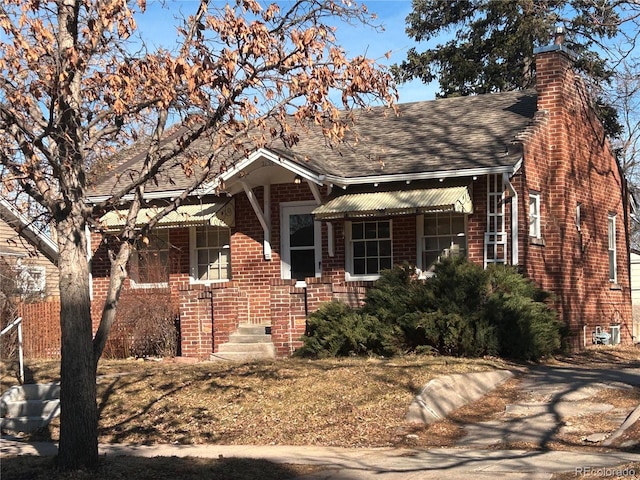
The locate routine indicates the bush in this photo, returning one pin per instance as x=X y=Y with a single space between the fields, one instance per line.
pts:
x=336 y=329
x=398 y=301
x=528 y=329
x=145 y=327
x=463 y=310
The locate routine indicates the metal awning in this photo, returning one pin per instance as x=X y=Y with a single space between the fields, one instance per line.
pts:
x=217 y=214
x=401 y=202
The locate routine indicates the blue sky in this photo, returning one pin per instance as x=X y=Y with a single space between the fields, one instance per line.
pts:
x=157 y=27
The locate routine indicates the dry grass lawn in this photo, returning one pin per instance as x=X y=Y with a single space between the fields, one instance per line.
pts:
x=350 y=402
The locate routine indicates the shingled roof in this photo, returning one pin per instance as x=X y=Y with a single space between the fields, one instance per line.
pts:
x=453 y=134
x=441 y=135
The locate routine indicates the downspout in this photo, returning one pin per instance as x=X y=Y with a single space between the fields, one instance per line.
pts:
x=514 y=219
x=89 y=259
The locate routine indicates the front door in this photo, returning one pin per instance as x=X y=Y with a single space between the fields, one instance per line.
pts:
x=300 y=239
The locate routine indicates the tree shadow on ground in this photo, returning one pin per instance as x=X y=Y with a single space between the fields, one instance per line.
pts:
x=157 y=468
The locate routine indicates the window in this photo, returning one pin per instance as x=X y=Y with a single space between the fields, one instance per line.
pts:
x=150 y=261
x=534 y=215
x=611 y=228
x=300 y=237
x=579 y=216
x=210 y=254
x=370 y=248
x=444 y=236
x=30 y=278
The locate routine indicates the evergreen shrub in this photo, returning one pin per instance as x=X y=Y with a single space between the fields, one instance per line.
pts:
x=462 y=310
x=336 y=329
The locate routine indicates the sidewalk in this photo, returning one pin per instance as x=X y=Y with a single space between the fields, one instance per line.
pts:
x=379 y=463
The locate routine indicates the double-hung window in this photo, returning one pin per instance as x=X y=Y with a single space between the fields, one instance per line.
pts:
x=534 y=215
x=369 y=248
x=210 y=254
x=444 y=236
x=150 y=261
x=30 y=279
x=611 y=230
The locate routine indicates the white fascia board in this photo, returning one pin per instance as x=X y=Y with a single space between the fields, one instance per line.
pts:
x=42 y=240
x=260 y=155
x=517 y=166
x=147 y=196
x=344 y=182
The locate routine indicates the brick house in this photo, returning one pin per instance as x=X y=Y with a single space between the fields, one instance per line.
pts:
x=524 y=178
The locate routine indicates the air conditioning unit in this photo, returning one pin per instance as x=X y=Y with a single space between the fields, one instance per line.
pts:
x=614 y=330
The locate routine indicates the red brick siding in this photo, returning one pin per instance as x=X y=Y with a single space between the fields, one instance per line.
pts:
x=568 y=160
x=100 y=268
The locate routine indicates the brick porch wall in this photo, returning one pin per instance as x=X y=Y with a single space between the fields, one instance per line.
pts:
x=289 y=306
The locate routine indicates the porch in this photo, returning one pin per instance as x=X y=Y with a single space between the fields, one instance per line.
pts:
x=221 y=320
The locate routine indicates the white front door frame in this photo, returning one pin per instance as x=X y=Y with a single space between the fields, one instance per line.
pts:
x=297 y=208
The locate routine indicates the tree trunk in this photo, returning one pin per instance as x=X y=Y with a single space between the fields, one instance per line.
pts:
x=116 y=282
x=79 y=412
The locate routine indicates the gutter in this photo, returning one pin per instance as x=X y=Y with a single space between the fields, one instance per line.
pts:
x=344 y=182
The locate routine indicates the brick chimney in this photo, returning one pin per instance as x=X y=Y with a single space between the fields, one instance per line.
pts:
x=555 y=78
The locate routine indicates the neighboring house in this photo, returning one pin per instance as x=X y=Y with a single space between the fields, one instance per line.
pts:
x=27 y=255
x=521 y=178
x=635 y=293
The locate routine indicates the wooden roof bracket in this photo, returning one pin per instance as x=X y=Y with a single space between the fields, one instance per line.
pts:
x=264 y=216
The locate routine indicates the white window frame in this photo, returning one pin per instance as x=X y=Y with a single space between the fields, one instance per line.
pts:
x=134 y=266
x=535 y=230
x=612 y=248
x=579 y=216
x=349 y=275
x=422 y=236
x=24 y=273
x=298 y=208
x=193 y=257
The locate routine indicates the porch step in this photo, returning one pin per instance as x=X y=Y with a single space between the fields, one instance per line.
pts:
x=249 y=342
x=27 y=408
x=251 y=329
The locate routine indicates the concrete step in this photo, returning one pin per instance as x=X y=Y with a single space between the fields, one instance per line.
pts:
x=249 y=342
x=241 y=338
x=27 y=408
x=30 y=408
x=257 y=348
x=32 y=391
x=241 y=356
x=251 y=329
x=22 y=424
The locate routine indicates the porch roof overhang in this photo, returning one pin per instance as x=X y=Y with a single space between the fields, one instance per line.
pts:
x=217 y=214
x=401 y=202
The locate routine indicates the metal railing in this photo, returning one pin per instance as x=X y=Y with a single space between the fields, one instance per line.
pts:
x=17 y=323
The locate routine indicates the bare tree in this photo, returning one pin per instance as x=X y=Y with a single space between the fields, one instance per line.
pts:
x=77 y=86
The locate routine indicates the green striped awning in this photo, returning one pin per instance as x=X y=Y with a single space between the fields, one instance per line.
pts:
x=217 y=214
x=401 y=202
